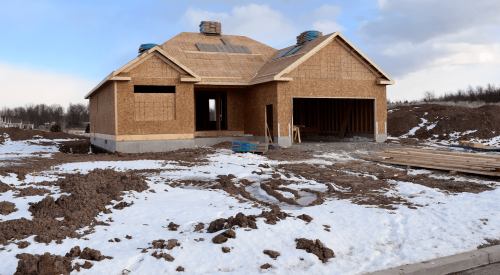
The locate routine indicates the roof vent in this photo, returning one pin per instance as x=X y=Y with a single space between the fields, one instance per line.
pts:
x=210 y=28
x=145 y=47
x=307 y=36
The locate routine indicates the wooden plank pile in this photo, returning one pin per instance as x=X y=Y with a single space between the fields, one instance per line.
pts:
x=476 y=146
x=450 y=161
x=249 y=146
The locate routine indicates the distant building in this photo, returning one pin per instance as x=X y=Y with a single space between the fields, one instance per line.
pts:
x=26 y=125
x=16 y=123
x=4 y=121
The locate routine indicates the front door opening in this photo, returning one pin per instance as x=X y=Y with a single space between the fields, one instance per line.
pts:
x=211 y=111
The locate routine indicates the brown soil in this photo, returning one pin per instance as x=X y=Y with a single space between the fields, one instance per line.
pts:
x=199 y=227
x=7 y=207
x=266 y=266
x=160 y=244
x=271 y=192
x=16 y=134
x=167 y=257
x=272 y=254
x=449 y=119
x=4 y=187
x=225 y=183
x=75 y=147
x=288 y=154
x=226 y=249
x=180 y=268
x=48 y=264
x=489 y=242
x=172 y=226
x=31 y=191
x=222 y=237
x=22 y=244
x=317 y=248
x=90 y=194
x=305 y=218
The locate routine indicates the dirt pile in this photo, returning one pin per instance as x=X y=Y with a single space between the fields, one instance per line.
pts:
x=224 y=236
x=31 y=191
x=48 y=264
x=317 y=248
x=4 y=187
x=90 y=194
x=16 y=134
x=441 y=121
x=75 y=147
x=7 y=207
x=167 y=257
x=271 y=192
x=272 y=254
x=248 y=221
x=169 y=245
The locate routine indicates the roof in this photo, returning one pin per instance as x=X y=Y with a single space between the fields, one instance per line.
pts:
x=214 y=64
x=275 y=68
x=219 y=67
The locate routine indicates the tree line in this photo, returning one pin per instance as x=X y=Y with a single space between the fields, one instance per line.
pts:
x=39 y=114
x=488 y=94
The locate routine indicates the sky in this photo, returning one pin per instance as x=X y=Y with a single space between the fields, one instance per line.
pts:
x=57 y=51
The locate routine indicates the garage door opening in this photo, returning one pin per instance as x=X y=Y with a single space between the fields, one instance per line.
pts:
x=331 y=119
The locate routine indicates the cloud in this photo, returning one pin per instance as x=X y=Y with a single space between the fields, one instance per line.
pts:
x=324 y=19
x=20 y=85
x=428 y=43
x=258 y=22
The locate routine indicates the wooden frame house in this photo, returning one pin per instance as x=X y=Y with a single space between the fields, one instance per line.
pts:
x=201 y=89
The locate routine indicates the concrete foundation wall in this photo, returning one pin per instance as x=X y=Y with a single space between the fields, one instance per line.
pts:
x=108 y=145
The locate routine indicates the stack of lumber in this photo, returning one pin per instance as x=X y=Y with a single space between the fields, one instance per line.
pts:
x=472 y=144
x=308 y=35
x=249 y=146
x=476 y=146
x=450 y=161
x=209 y=27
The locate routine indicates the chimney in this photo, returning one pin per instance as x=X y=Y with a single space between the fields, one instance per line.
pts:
x=210 y=28
x=307 y=36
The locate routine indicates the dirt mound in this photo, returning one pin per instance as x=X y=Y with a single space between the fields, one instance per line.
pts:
x=90 y=194
x=247 y=221
x=48 y=264
x=75 y=147
x=223 y=145
x=439 y=121
x=305 y=218
x=317 y=248
x=272 y=254
x=7 y=207
x=160 y=244
x=266 y=266
x=16 y=134
x=222 y=237
x=167 y=257
x=288 y=154
x=32 y=191
x=4 y=187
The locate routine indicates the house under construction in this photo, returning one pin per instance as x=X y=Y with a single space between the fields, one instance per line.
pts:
x=205 y=88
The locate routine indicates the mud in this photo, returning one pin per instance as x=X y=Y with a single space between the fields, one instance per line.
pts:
x=226 y=249
x=90 y=194
x=489 y=242
x=167 y=257
x=225 y=183
x=4 y=187
x=224 y=236
x=22 y=244
x=7 y=207
x=199 y=227
x=317 y=248
x=122 y=205
x=271 y=192
x=305 y=218
x=484 y=120
x=31 y=191
x=172 y=226
x=266 y=266
x=180 y=269
x=161 y=244
x=54 y=264
x=288 y=154
x=75 y=147
x=272 y=254
x=16 y=134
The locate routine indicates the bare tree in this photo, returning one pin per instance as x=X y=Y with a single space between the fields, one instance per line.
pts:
x=429 y=96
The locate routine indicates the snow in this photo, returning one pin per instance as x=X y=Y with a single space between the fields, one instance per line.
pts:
x=364 y=238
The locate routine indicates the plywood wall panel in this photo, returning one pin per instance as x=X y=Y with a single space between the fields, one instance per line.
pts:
x=102 y=108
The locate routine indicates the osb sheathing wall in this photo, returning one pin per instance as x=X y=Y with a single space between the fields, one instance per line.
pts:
x=102 y=110
x=154 y=71
x=257 y=97
x=333 y=72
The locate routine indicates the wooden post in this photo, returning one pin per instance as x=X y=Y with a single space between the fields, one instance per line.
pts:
x=343 y=127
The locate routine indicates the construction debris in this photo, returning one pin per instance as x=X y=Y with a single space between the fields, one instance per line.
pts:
x=449 y=161
x=249 y=146
x=307 y=36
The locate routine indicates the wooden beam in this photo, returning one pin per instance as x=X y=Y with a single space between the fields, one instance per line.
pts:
x=347 y=113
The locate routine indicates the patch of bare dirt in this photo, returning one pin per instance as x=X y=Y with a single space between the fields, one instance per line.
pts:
x=16 y=134
x=90 y=194
x=7 y=207
x=223 y=145
x=225 y=183
x=272 y=254
x=47 y=263
x=485 y=121
x=31 y=191
x=317 y=248
x=288 y=154
x=75 y=147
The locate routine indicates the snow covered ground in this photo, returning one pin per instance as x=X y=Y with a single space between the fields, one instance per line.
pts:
x=364 y=238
